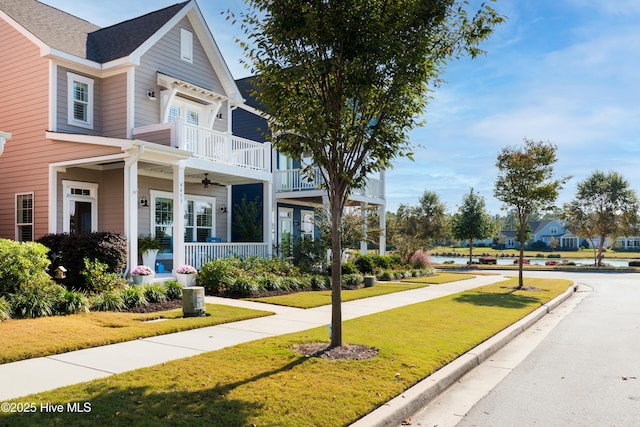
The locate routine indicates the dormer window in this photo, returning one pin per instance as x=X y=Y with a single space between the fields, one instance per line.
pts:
x=186 y=45
x=80 y=101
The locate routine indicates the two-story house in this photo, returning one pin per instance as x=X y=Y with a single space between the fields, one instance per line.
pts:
x=296 y=197
x=126 y=129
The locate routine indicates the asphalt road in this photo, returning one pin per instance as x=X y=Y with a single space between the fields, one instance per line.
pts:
x=583 y=371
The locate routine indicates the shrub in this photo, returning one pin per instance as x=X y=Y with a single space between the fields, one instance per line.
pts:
x=291 y=283
x=5 y=309
x=133 y=296
x=37 y=298
x=243 y=286
x=155 y=292
x=174 y=289
x=108 y=301
x=99 y=279
x=365 y=263
x=386 y=276
x=217 y=276
x=20 y=263
x=73 y=302
x=352 y=280
x=320 y=282
x=269 y=282
x=106 y=247
x=420 y=259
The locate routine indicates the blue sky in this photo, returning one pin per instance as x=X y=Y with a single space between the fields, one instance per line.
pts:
x=564 y=71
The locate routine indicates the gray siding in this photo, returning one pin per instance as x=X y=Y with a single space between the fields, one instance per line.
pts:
x=63 y=125
x=114 y=110
x=164 y=57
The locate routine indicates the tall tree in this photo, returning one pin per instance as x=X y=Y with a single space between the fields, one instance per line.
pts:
x=346 y=80
x=604 y=206
x=472 y=221
x=525 y=182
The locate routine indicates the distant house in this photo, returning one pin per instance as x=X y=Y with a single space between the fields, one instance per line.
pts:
x=126 y=129
x=541 y=231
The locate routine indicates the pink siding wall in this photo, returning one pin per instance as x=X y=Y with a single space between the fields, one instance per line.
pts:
x=24 y=89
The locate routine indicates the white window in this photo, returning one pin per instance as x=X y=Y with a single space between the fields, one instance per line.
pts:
x=186 y=45
x=554 y=230
x=307 y=224
x=80 y=207
x=80 y=101
x=24 y=217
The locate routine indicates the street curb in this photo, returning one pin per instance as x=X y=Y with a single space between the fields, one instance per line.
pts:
x=412 y=400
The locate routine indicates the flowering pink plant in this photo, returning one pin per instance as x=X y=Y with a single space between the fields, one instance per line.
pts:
x=186 y=269
x=142 y=270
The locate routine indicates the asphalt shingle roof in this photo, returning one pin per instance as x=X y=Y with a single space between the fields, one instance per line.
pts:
x=70 y=34
x=122 y=39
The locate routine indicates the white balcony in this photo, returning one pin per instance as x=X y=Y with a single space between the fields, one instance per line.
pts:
x=290 y=180
x=219 y=147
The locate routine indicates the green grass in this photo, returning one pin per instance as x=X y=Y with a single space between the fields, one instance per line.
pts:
x=310 y=299
x=267 y=384
x=28 y=338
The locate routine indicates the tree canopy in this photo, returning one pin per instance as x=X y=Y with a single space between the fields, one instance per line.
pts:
x=604 y=206
x=525 y=182
x=472 y=221
x=346 y=80
x=422 y=224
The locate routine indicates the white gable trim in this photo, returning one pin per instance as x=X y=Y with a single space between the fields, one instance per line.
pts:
x=42 y=45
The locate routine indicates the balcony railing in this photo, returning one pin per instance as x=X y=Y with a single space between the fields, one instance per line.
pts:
x=224 y=148
x=294 y=180
x=209 y=144
x=197 y=254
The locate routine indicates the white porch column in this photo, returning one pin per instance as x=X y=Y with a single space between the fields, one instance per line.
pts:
x=131 y=210
x=383 y=229
x=363 y=215
x=229 y=204
x=178 y=216
x=267 y=212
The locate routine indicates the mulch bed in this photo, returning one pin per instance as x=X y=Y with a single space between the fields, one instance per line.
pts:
x=156 y=306
x=346 y=352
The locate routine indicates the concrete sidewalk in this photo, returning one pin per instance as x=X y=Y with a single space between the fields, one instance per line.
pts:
x=46 y=373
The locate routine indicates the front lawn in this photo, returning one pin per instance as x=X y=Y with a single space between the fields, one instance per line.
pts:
x=265 y=383
x=312 y=299
x=44 y=336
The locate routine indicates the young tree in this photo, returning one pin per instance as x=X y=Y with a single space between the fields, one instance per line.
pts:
x=525 y=182
x=346 y=81
x=472 y=221
x=604 y=207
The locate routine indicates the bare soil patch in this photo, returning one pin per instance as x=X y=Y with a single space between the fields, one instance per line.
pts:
x=346 y=352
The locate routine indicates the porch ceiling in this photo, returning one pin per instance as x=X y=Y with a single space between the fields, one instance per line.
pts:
x=193 y=175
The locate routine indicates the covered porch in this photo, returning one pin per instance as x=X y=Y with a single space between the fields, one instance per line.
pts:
x=141 y=191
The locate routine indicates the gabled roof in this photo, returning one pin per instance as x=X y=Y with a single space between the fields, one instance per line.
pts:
x=246 y=86
x=120 y=40
x=51 y=26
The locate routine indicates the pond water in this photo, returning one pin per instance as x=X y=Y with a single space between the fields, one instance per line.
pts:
x=534 y=261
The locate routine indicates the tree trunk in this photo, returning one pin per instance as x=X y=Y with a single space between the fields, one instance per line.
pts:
x=523 y=231
x=600 y=250
x=470 y=251
x=336 y=274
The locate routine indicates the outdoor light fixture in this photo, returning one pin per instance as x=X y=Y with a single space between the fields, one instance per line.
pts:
x=206 y=182
x=144 y=202
x=223 y=208
x=151 y=94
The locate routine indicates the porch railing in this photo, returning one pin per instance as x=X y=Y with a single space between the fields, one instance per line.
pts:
x=294 y=180
x=224 y=148
x=197 y=254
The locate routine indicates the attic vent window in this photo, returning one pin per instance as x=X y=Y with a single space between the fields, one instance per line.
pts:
x=186 y=45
